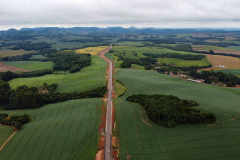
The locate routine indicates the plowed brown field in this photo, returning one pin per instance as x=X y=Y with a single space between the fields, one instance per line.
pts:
x=228 y=62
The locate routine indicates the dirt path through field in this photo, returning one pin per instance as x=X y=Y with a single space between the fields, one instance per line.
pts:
x=15 y=131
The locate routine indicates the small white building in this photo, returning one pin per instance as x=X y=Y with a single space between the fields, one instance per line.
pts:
x=221 y=66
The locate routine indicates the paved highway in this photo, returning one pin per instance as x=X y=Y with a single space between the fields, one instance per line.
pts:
x=108 y=128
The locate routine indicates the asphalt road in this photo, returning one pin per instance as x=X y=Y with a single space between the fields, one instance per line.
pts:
x=108 y=128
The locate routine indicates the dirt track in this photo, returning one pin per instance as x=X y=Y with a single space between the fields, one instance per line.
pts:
x=15 y=131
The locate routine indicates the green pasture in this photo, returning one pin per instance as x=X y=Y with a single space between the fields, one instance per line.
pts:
x=30 y=65
x=119 y=88
x=5 y=133
x=141 y=139
x=207 y=47
x=184 y=63
x=135 y=66
x=61 y=131
x=88 y=78
x=230 y=71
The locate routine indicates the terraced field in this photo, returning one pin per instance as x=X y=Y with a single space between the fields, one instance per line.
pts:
x=30 y=65
x=88 y=78
x=67 y=130
x=92 y=50
x=184 y=63
x=141 y=139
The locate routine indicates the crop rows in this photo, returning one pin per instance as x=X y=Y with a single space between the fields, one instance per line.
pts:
x=88 y=78
x=67 y=130
x=142 y=139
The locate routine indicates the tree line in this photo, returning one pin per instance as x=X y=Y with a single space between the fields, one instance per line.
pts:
x=30 y=97
x=170 y=111
x=176 y=55
x=179 y=47
x=28 y=46
x=7 y=76
x=15 y=121
x=213 y=53
x=216 y=77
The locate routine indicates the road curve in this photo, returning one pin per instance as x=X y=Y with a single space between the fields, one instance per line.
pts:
x=108 y=128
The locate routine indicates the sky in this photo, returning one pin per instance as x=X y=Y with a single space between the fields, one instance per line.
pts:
x=124 y=13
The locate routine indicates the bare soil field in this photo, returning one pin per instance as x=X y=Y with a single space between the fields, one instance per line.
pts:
x=228 y=62
x=5 y=68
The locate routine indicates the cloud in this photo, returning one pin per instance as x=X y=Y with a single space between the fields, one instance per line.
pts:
x=155 y=13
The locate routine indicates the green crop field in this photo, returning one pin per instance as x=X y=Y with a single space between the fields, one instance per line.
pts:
x=230 y=71
x=88 y=78
x=184 y=63
x=5 y=133
x=30 y=65
x=135 y=66
x=141 y=139
x=140 y=50
x=67 y=130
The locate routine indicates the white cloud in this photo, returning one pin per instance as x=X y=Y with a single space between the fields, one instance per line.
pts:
x=156 y=13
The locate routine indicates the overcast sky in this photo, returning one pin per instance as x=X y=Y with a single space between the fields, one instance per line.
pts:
x=125 y=13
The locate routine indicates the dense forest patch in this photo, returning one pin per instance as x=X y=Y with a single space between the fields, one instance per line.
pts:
x=15 y=121
x=170 y=111
x=31 y=97
x=71 y=62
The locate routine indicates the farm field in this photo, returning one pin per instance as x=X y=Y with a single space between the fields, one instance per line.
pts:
x=5 y=68
x=30 y=65
x=11 y=53
x=135 y=66
x=92 y=50
x=228 y=62
x=142 y=139
x=129 y=43
x=5 y=133
x=184 y=63
x=140 y=50
x=88 y=78
x=67 y=130
x=231 y=71
x=215 y=49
